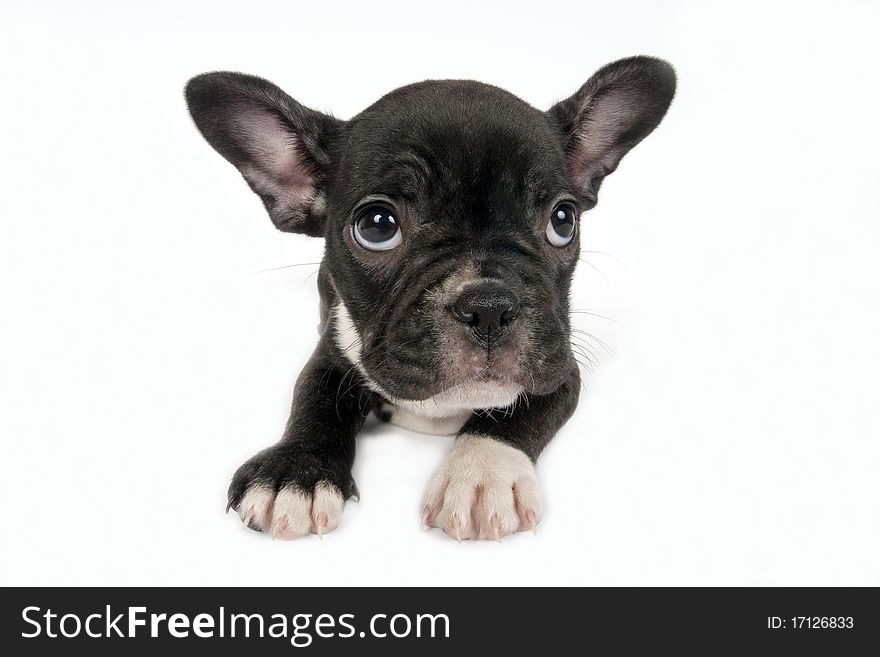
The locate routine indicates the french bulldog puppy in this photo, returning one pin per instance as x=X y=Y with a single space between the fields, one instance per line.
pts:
x=450 y=213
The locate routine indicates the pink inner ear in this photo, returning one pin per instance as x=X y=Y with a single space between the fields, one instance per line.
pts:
x=601 y=122
x=277 y=168
x=592 y=141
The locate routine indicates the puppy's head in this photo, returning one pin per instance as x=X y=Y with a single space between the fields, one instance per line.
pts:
x=450 y=211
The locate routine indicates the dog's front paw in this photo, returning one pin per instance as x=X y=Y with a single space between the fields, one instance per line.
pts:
x=484 y=489
x=289 y=494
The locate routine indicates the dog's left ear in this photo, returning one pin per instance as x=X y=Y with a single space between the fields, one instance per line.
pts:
x=280 y=147
x=614 y=110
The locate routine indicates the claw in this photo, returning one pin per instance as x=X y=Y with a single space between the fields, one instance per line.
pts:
x=248 y=516
x=456 y=525
x=532 y=517
x=321 y=523
x=495 y=522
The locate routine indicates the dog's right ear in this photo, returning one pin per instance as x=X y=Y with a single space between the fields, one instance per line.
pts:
x=280 y=147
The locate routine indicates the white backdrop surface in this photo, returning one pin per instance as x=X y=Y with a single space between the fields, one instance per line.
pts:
x=731 y=437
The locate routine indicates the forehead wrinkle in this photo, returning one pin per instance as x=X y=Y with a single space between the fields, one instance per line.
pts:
x=394 y=170
x=489 y=169
x=408 y=171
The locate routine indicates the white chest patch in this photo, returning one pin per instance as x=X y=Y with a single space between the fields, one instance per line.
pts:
x=444 y=413
x=448 y=425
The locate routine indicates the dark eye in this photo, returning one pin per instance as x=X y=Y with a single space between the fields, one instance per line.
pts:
x=562 y=224
x=376 y=228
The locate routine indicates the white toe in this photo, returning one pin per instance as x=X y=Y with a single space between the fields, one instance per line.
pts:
x=291 y=515
x=496 y=510
x=327 y=503
x=256 y=507
x=527 y=498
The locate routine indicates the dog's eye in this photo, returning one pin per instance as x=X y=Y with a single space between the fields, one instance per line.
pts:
x=376 y=229
x=562 y=224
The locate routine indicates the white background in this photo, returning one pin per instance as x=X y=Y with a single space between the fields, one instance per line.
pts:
x=731 y=438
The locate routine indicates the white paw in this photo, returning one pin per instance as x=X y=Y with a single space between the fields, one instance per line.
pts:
x=292 y=512
x=483 y=489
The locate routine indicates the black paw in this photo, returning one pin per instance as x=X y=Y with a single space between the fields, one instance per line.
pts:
x=289 y=493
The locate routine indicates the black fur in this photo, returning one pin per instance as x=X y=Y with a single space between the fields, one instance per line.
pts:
x=472 y=174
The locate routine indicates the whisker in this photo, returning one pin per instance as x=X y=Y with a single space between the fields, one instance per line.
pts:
x=592 y=346
x=330 y=367
x=604 y=253
x=585 y=353
x=299 y=264
x=599 y=341
x=306 y=279
x=590 y=350
x=578 y=311
x=588 y=369
x=598 y=271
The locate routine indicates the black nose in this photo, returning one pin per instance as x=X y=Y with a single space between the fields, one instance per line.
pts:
x=486 y=307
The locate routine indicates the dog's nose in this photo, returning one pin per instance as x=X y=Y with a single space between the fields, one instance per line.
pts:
x=486 y=307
